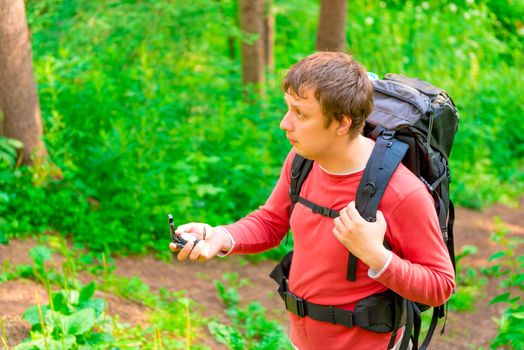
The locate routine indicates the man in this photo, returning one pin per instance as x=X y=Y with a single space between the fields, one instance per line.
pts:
x=329 y=97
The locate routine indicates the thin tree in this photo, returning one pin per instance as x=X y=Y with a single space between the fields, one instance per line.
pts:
x=252 y=24
x=269 y=37
x=18 y=93
x=331 y=34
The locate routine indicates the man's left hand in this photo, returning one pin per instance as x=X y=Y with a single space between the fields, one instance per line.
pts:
x=362 y=238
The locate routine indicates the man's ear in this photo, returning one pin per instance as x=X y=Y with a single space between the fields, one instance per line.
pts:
x=343 y=125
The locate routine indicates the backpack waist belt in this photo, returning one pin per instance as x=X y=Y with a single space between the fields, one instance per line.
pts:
x=369 y=316
x=376 y=313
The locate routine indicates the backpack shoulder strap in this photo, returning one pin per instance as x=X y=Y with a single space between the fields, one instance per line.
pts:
x=384 y=160
x=300 y=169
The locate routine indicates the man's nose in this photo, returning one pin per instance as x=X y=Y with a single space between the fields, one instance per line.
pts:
x=285 y=123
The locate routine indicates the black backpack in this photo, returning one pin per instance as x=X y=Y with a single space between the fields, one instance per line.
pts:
x=415 y=123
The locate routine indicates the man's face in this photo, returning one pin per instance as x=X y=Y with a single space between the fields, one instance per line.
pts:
x=304 y=124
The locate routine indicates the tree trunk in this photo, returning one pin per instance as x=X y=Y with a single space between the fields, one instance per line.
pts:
x=251 y=21
x=18 y=92
x=331 y=34
x=269 y=37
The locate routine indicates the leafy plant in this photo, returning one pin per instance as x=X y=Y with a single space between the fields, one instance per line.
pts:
x=45 y=270
x=229 y=294
x=227 y=335
x=508 y=265
x=250 y=329
x=75 y=319
x=67 y=322
x=469 y=284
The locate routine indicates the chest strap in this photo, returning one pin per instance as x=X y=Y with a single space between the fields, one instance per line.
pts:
x=318 y=209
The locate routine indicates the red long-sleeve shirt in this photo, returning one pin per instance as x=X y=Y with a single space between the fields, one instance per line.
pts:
x=420 y=268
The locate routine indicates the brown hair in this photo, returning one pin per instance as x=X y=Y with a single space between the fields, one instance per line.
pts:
x=340 y=83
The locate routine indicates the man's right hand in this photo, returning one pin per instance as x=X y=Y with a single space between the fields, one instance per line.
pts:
x=212 y=240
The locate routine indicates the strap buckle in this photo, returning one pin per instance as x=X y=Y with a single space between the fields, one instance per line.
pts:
x=388 y=134
x=325 y=211
x=294 y=304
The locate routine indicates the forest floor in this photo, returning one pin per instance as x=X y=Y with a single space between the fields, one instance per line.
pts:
x=464 y=330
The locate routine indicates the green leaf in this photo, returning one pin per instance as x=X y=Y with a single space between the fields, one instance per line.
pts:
x=87 y=292
x=3 y=238
x=500 y=298
x=31 y=315
x=25 y=271
x=64 y=343
x=208 y=189
x=227 y=335
x=40 y=254
x=31 y=345
x=96 y=304
x=80 y=322
x=54 y=319
x=518 y=315
x=469 y=250
x=15 y=143
x=496 y=256
x=98 y=338
x=60 y=303
x=72 y=296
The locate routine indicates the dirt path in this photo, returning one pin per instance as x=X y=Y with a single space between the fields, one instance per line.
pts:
x=463 y=330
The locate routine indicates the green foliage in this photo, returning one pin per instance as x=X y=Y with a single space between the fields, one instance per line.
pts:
x=469 y=285
x=70 y=319
x=8 y=149
x=75 y=319
x=136 y=137
x=68 y=322
x=229 y=294
x=48 y=272
x=147 y=117
x=456 y=46
x=250 y=328
x=227 y=335
x=8 y=155
x=469 y=288
x=508 y=266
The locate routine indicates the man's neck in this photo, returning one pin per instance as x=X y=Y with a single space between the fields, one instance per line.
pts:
x=350 y=157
